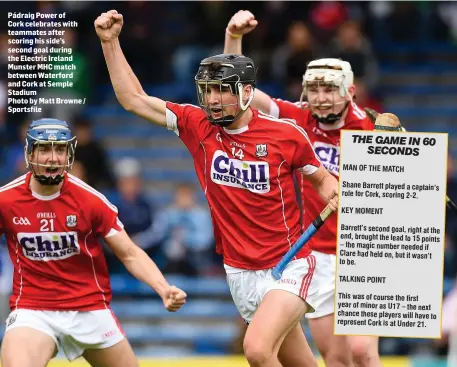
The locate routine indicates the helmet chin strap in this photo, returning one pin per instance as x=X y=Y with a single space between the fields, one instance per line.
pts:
x=331 y=117
x=48 y=180
x=223 y=121
x=43 y=179
x=226 y=121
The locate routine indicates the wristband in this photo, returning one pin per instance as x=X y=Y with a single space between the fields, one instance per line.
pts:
x=233 y=35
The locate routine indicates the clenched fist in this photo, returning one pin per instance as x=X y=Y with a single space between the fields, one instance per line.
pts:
x=174 y=298
x=241 y=23
x=108 y=25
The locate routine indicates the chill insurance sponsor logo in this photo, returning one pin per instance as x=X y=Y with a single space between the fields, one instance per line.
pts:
x=329 y=155
x=248 y=175
x=49 y=246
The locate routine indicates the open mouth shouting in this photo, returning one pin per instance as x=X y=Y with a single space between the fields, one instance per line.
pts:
x=52 y=170
x=216 y=111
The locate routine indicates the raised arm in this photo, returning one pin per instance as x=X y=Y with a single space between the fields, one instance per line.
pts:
x=127 y=88
x=242 y=23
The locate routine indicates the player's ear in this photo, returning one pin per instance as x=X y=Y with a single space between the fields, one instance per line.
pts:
x=352 y=92
x=247 y=91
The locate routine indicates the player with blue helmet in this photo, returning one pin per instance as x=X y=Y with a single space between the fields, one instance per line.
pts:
x=61 y=295
x=49 y=150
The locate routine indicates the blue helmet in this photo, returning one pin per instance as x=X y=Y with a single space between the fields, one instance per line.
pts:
x=48 y=131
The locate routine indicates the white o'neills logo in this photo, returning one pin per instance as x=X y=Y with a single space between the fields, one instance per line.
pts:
x=47 y=246
x=248 y=175
x=24 y=221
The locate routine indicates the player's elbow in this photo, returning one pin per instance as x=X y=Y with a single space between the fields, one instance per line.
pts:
x=149 y=108
x=130 y=102
x=128 y=254
x=129 y=107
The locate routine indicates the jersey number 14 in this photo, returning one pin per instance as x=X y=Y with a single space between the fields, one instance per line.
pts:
x=238 y=153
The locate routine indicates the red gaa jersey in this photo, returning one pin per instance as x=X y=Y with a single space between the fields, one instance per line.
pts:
x=247 y=177
x=326 y=143
x=54 y=245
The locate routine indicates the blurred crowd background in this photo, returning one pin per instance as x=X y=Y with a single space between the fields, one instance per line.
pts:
x=404 y=57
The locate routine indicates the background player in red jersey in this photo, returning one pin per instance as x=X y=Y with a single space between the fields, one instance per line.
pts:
x=328 y=88
x=61 y=296
x=245 y=161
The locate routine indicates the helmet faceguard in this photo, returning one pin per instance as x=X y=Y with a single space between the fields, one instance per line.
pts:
x=226 y=71
x=332 y=73
x=49 y=132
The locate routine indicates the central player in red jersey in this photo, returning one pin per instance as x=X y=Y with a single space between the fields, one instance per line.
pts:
x=61 y=296
x=328 y=88
x=245 y=162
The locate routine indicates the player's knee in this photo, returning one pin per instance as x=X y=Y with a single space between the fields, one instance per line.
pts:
x=363 y=359
x=256 y=352
x=298 y=360
x=337 y=357
x=359 y=350
x=335 y=351
x=363 y=353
